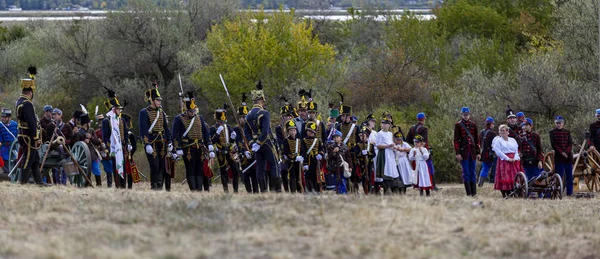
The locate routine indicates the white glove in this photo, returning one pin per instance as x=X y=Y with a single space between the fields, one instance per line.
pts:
x=149 y=149
x=299 y=159
x=212 y=155
x=103 y=146
x=102 y=154
x=211 y=148
x=220 y=129
x=247 y=154
x=129 y=148
x=319 y=157
x=174 y=156
x=170 y=147
x=233 y=135
x=255 y=147
x=365 y=152
x=179 y=152
x=305 y=167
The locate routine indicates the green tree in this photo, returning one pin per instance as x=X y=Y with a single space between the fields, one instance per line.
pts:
x=277 y=49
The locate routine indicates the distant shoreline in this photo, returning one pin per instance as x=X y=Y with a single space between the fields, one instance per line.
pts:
x=102 y=13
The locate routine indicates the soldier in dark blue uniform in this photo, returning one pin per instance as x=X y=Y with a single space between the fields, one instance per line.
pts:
x=258 y=132
x=29 y=131
x=221 y=137
x=249 y=176
x=313 y=115
x=192 y=140
x=302 y=109
x=156 y=136
x=118 y=162
x=280 y=133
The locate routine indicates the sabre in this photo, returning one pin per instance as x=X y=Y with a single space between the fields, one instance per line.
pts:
x=234 y=113
x=15 y=167
x=181 y=94
x=248 y=168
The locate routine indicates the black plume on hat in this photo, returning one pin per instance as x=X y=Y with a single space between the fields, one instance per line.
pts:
x=124 y=103
x=244 y=97
x=284 y=99
x=225 y=106
x=259 y=86
x=302 y=93
x=111 y=93
x=341 y=97
x=32 y=70
x=190 y=94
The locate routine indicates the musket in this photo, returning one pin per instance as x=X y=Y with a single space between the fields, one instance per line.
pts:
x=235 y=114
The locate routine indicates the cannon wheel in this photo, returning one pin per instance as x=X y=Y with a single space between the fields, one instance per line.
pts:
x=521 y=186
x=556 y=185
x=13 y=157
x=81 y=154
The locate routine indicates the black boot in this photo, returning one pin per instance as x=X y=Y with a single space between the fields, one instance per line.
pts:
x=191 y=180
x=473 y=189
x=468 y=188
x=421 y=192
x=293 y=184
x=167 y=179
x=98 y=181
x=25 y=173
x=276 y=183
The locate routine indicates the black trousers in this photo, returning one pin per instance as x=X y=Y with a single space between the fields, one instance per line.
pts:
x=311 y=175
x=158 y=171
x=194 y=173
x=285 y=178
x=225 y=160
x=30 y=163
x=294 y=173
x=265 y=155
x=250 y=180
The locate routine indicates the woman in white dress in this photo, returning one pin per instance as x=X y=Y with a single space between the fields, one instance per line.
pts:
x=419 y=154
x=404 y=168
x=508 y=163
x=386 y=160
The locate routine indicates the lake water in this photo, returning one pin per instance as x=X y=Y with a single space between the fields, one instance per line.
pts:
x=69 y=18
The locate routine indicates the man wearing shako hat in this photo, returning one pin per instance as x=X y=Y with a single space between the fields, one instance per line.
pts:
x=29 y=131
x=302 y=109
x=114 y=136
x=530 y=147
x=156 y=135
x=347 y=127
x=258 y=132
x=249 y=176
x=562 y=144
x=293 y=149
x=313 y=115
x=221 y=137
x=514 y=127
x=286 y=112
x=315 y=151
x=467 y=149
x=191 y=138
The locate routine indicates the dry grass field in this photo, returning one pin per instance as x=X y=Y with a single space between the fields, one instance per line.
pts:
x=65 y=222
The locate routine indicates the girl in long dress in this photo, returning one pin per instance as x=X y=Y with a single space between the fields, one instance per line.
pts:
x=386 y=160
x=419 y=154
x=508 y=163
x=404 y=167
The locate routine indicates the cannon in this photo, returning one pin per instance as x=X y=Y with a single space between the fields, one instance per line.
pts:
x=56 y=158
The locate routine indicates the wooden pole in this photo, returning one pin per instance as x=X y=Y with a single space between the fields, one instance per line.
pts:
x=47 y=151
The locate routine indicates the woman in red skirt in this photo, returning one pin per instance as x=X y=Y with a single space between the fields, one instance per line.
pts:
x=508 y=164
